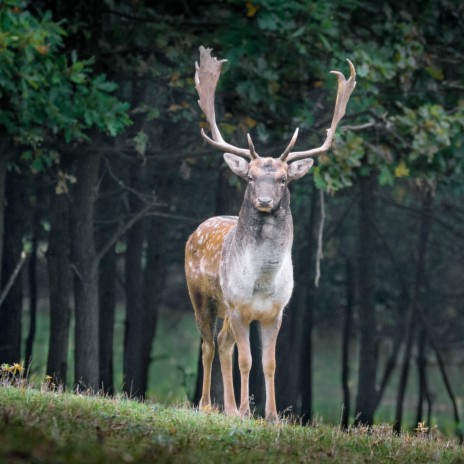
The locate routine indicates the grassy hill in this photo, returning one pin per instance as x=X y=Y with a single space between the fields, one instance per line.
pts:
x=48 y=427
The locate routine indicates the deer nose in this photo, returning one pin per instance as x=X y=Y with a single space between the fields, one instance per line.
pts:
x=264 y=201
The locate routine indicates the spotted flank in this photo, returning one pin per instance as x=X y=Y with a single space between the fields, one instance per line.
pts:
x=204 y=247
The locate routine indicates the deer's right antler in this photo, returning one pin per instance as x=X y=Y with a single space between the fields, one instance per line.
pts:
x=206 y=79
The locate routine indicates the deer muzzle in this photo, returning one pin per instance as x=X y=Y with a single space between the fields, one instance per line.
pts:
x=264 y=204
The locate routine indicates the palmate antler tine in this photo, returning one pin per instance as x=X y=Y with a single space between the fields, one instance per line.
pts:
x=206 y=80
x=345 y=88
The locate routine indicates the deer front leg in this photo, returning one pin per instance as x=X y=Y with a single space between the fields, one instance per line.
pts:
x=269 y=332
x=241 y=331
x=226 y=344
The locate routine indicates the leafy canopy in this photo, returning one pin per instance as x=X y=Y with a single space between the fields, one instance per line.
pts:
x=45 y=93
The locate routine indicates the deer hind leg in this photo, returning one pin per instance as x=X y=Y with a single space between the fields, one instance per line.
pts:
x=205 y=314
x=226 y=344
x=207 y=348
x=269 y=332
x=241 y=330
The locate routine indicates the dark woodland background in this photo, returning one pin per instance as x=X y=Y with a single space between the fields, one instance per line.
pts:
x=104 y=174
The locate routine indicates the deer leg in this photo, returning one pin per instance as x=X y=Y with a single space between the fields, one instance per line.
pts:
x=205 y=315
x=207 y=348
x=269 y=334
x=226 y=344
x=241 y=331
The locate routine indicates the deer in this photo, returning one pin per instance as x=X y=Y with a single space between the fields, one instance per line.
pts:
x=239 y=269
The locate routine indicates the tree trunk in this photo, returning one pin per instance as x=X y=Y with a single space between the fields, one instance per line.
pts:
x=60 y=286
x=416 y=302
x=424 y=394
x=107 y=277
x=366 y=395
x=154 y=279
x=397 y=342
x=11 y=309
x=32 y=278
x=134 y=378
x=4 y=159
x=107 y=312
x=444 y=375
x=303 y=319
x=347 y=327
x=85 y=266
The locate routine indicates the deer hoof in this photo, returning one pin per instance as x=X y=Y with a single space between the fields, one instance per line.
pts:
x=231 y=412
x=273 y=418
x=206 y=407
x=245 y=413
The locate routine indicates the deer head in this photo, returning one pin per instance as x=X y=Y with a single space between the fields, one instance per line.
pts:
x=267 y=177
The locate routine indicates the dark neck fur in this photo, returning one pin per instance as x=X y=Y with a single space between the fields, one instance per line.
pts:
x=257 y=227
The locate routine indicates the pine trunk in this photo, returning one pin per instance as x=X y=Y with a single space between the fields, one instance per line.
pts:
x=416 y=302
x=347 y=327
x=32 y=280
x=154 y=279
x=304 y=312
x=60 y=287
x=366 y=395
x=134 y=377
x=11 y=309
x=87 y=369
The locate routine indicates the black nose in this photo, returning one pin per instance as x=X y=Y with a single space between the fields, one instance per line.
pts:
x=264 y=201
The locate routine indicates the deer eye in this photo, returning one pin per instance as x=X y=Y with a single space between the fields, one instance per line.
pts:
x=283 y=180
x=250 y=179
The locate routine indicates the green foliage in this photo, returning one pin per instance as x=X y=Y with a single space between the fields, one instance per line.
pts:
x=432 y=138
x=336 y=170
x=405 y=89
x=44 y=93
x=77 y=428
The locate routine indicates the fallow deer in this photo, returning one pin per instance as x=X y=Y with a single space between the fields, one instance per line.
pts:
x=240 y=268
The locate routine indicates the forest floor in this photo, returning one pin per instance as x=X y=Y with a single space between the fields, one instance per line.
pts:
x=49 y=427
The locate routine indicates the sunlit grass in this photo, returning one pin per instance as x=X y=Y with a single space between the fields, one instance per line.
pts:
x=174 y=362
x=51 y=427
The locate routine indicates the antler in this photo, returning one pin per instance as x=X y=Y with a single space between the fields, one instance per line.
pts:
x=345 y=87
x=206 y=79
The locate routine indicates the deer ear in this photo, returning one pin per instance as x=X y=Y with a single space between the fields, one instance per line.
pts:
x=298 y=169
x=238 y=165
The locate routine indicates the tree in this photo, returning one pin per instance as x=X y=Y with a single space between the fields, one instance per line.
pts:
x=46 y=95
x=397 y=74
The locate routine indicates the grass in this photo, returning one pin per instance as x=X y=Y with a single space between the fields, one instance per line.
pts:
x=48 y=427
x=173 y=370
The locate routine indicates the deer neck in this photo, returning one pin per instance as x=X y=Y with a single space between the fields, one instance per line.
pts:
x=267 y=236
x=257 y=266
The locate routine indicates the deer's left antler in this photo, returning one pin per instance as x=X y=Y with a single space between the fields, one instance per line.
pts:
x=345 y=87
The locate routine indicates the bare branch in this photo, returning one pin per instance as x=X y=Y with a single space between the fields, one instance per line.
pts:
x=122 y=230
x=319 y=255
x=143 y=198
x=13 y=277
x=359 y=127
